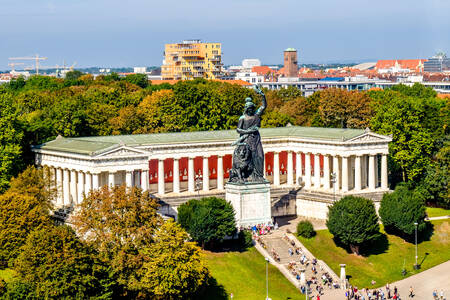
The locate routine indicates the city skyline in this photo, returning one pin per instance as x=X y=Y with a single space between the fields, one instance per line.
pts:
x=116 y=34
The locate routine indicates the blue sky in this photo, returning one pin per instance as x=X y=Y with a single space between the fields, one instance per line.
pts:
x=133 y=33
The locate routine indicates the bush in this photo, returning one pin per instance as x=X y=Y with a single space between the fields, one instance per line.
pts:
x=353 y=221
x=305 y=229
x=245 y=239
x=401 y=209
x=19 y=289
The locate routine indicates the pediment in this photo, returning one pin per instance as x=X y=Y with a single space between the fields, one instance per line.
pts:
x=370 y=137
x=122 y=151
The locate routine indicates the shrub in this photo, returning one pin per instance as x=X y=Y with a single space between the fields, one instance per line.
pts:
x=245 y=239
x=353 y=221
x=401 y=209
x=19 y=289
x=305 y=229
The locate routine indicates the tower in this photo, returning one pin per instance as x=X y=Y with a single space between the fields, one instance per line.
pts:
x=290 y=62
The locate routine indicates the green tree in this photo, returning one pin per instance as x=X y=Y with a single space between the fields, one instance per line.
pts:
x=60 y=266
x=401 y=209
x=73 y=75
x=19 y=289
x=137 y=79
x=305 y=229
x=173 y=268
x=24 y=207
x=208 y=220
x=353 y=221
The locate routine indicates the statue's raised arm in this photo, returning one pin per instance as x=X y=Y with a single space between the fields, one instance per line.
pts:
x=263 y=106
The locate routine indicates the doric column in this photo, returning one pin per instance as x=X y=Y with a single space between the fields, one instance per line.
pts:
x=191 y=175
x=336 y=172
x=73 y=186
x=384 y=172
x=371 y=172
x=66 y=187
x=88 y=184
x=176 y=175
x=316 y=170
x=129 y=178
x=59 y=187
x=298 y=167
x=111 y=178
x=161 y=184
x=308 y=170
x=145 y=180
x=276 y=169
x=220 y=172
x=80 y=186
x=290 y=168
x=95 y=181
x=345 y=174
x=357 y=173
x=205 y=173
x=326 y=172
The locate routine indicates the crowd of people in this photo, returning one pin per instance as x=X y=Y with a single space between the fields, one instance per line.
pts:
x=384 y=293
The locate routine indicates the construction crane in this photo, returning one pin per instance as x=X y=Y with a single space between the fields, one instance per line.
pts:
x=36 y=58
x=12 y=65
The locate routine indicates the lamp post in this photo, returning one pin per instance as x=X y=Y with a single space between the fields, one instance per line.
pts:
x=416 y=266
x=267 y=278
x=333 y=181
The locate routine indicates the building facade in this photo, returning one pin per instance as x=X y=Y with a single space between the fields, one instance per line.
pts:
x=192 y=59
x=323 y=164
x=437 y=64
x=290 y=63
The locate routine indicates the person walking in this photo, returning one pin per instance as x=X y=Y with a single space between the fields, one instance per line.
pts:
x=411 y=292
x=442 y=294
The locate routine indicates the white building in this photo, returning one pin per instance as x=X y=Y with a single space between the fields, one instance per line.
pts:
x=176 y=167
x=251 y=77
x=249 y=63
x=140 y=70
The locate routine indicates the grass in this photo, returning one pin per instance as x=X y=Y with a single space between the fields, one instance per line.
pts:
x=7 y=274
x=387 y=258
x=437 y=212
x=244 y=275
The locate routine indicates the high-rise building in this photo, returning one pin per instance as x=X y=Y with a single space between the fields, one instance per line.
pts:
x=438 y=63
x=192 y=59
x=290 y=62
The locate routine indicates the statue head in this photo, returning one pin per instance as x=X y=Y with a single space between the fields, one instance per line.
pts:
x=249 y=108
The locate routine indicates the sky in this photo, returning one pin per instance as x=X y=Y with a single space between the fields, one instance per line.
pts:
x=127 y=33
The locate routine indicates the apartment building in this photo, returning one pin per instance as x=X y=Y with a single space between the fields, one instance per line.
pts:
x=192 y=59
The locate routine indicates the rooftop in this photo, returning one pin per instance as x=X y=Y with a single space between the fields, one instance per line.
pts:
x=98 y=144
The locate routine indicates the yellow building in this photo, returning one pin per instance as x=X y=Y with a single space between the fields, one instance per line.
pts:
x=192 y=59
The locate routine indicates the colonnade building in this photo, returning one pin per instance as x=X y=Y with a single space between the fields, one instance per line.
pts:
x=313 y=166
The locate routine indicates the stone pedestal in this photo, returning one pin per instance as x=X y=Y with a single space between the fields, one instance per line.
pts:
x=251 y=202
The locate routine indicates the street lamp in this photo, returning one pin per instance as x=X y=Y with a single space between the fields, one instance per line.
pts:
x=333 y=181
x=416 y=266
x=267 y=279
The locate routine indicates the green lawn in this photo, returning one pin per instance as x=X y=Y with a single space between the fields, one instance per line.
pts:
x=7 y=274
x=437 y=212
x=244 y=275
x=388 y=257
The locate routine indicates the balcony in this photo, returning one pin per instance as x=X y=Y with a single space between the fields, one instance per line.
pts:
x=215 y=58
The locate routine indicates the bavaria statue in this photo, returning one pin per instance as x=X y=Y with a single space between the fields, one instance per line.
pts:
x=248 y=156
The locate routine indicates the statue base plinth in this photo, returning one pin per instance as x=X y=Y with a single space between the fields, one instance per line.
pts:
x=251 y=202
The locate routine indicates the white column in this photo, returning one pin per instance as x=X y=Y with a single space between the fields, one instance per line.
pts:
x=191 y=175
x=176 y=175
x=59 y=187
x=345 y=174
x=336 y=172
x=88 y=184
x=357 y=173
x=326 y=172
x=205 y=173
x=137 y=178
x=363 y=172
x=290 y=168
x=111 y=178
x=80 y=186
x=66 y=187
x=376 y=171
x=317 y=170
x=73 y=186
x=298 y=167
x=371 y=172
x=276 y=169
x=220 y=172
x=129 y=178
x=384 y=172
x=161 y=184
x=144 y=179
x=95 y=181
x=308 y=170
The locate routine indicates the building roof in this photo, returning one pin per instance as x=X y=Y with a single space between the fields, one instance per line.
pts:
x=263 y=70
x=95 y=145
x=290 y=50
x=173 y=81
x=411 y=64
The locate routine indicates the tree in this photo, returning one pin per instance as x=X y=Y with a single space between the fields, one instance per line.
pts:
x=73 y=75
x=208 y=220
x=60 y=266
x=173 y=268
x=305 y=229
x=24 y=207
x=137 y=79
x=353 y=221
x=401 y=209
x=118 y=222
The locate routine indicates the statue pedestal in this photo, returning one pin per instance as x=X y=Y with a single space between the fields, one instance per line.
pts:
x=251 y=202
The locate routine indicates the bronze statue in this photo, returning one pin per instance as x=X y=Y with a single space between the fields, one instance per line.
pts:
x=248 y=157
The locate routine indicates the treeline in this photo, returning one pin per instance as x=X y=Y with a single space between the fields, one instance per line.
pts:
x=36 y=110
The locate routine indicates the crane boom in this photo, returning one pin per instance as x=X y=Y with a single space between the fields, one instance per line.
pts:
x=36 y=58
